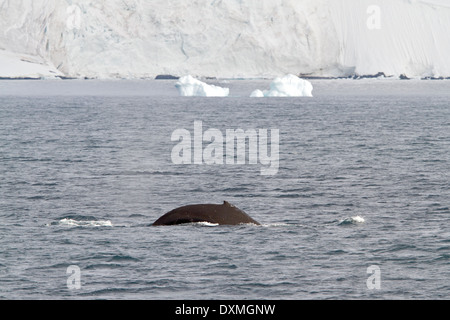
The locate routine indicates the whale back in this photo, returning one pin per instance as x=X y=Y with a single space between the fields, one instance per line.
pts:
x=222 y=214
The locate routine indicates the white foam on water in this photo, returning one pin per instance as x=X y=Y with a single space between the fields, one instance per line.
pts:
x=352 y=220
x=207 y=224
x=280 y=224
x=92 y=223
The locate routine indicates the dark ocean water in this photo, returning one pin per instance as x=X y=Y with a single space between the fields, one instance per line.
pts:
x=363 y=180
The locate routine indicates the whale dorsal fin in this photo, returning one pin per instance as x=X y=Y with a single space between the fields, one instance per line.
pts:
x=226 y=203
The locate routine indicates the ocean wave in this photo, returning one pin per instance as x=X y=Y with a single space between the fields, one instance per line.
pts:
x=351 y=220
x=210 y=224
x=207 y=224
x=83 y=223
x=276 y=224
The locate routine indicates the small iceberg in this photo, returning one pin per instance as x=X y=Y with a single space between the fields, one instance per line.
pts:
x=287 y=86
x=188 y=86
x=257 y=94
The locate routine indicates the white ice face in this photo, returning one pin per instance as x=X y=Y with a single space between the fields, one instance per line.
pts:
x=13 y=65
x=228 y=39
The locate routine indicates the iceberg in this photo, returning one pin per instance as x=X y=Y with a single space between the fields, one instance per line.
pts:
x=257 y=94
x=188 y=86
x=287 y=86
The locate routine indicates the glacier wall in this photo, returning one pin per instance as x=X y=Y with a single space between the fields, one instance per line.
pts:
x=232 y=38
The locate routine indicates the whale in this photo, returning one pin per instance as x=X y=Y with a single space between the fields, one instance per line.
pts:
x=221 y=214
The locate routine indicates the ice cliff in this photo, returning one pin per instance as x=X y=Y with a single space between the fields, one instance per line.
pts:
x=227 y=39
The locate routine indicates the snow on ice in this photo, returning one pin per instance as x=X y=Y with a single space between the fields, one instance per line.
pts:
x=17 y=66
